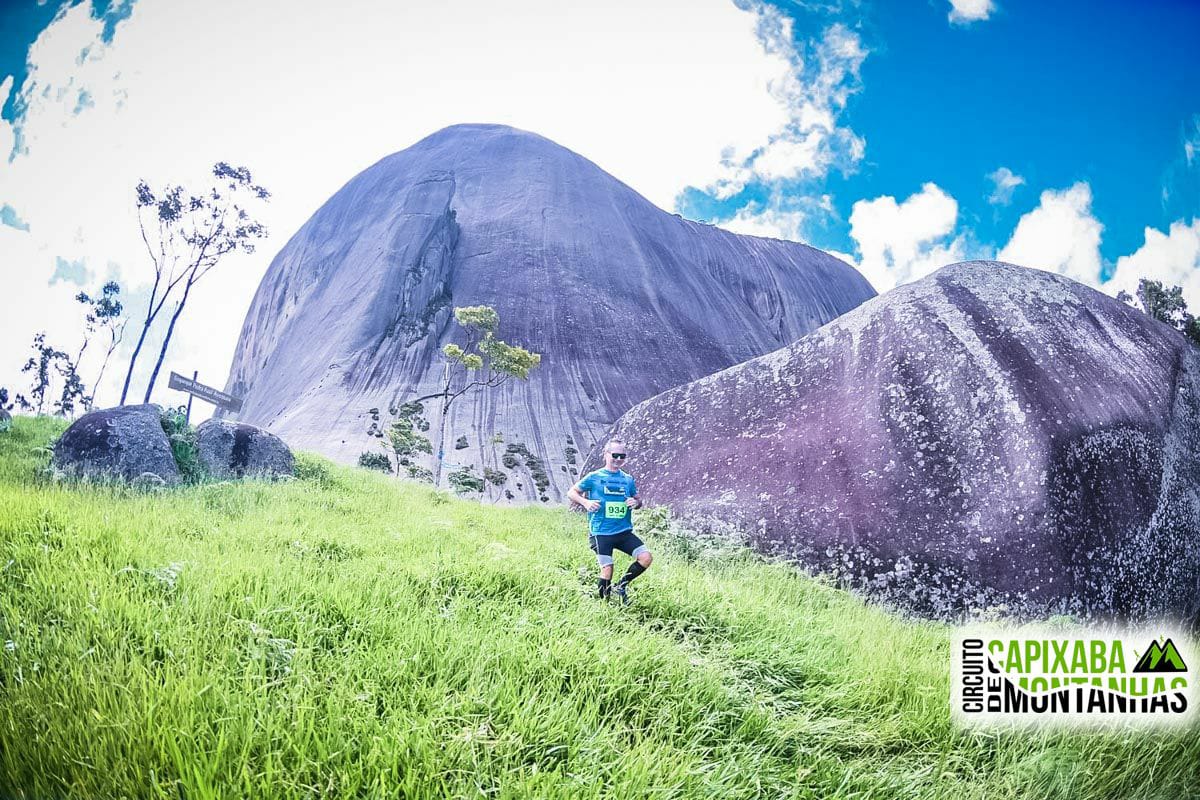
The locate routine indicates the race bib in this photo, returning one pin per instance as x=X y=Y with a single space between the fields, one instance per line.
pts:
x=615 y=510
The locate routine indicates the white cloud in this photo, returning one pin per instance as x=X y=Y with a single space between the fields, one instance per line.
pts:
x=1060 y=235
x=1172 y=257
x=812 y=89
x=964 y=12
x=653 y=93
x=901 y=242
x=1005 y=182
x=772 y=223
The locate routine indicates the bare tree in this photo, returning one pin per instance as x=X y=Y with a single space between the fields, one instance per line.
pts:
x=187 y=235
x=104 y=311
x=45 y=361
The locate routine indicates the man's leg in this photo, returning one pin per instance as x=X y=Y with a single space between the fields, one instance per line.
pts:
x=602 y=547
x=606 y=580
x=642 y=559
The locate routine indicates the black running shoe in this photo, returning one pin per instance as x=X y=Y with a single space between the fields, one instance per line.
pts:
x=622 y=593
x=605 y=591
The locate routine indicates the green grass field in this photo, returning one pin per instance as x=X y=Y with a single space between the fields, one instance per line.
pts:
x=349 y=635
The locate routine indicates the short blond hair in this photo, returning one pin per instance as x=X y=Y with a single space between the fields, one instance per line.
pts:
x=608 y=448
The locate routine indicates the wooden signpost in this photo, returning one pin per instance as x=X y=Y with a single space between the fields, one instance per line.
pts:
x=206 y=393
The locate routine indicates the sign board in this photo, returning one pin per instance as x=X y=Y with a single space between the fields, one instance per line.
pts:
x=206 y=393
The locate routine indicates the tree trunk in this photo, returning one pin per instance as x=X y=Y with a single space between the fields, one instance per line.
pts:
x=441 y=446
x=133 y=358
x=91 y=401
x=151 y=313
x=167 y=341
x=114 y=340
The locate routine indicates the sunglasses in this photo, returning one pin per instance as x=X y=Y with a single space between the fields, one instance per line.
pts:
x=617 y=455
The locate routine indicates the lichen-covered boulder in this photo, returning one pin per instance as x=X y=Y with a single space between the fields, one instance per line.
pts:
x=988 y=436
x=123 y=442
x=236 y=450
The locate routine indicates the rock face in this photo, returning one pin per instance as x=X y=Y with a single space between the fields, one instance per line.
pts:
x=622 y=300
x=990 y=434
x=237 y=450
x=123 y=442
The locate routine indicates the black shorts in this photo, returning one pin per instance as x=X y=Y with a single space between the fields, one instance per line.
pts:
x=604 y=544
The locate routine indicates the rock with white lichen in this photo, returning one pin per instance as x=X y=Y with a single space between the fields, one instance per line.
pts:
x=237 y=450
x=990 y=436
x=122 y=443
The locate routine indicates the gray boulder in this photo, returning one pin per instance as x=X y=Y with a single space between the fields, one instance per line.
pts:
x=987 y=436
x=236 y=450
x=123 y=442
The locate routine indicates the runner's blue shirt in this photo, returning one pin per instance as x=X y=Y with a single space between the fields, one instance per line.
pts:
x=612 y=490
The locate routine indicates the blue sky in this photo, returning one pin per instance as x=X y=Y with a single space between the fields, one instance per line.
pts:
x=901 y=136
x=1103 y=93
x=24 y=20
x=1058 y=92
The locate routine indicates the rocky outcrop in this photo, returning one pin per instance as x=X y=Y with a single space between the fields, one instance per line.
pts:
x=622 y=299
x=125 y=442
x=236 y=450
x=990 y=435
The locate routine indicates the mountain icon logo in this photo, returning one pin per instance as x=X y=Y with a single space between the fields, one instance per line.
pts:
x=1161 y=658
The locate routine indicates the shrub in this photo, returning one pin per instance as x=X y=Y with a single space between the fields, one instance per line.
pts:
x=465 y=480
x=461 y=443
x=414 y=413
x=494 y=476
x=538 y=471
x=516 y=453
x=379 y=461
x=312 y=468
x=419 y=473
x=410 y=410
x=184 y=446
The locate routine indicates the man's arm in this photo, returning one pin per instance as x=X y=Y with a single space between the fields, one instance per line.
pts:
x=574 y=496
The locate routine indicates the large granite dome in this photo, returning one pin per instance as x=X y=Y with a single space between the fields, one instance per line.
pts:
x=622 y=299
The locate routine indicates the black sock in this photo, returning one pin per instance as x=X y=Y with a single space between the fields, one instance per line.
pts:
x=605 y=588
x=634 y=570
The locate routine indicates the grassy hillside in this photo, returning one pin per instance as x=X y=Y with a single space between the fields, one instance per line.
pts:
x=347 y=635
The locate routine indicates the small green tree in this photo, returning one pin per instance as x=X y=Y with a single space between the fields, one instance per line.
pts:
x=405 y=441
x=484 y=363
x=1165 y=305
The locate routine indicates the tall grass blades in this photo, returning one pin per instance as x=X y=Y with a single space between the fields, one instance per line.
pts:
x=349 y=635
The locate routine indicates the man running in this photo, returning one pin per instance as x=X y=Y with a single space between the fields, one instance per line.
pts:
x=611 y=496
